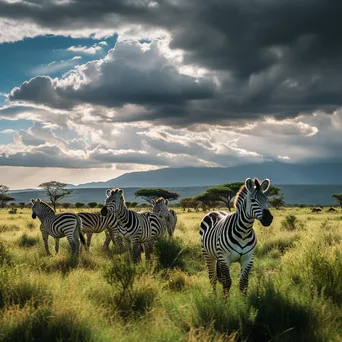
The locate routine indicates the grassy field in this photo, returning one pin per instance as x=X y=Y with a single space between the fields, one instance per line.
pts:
x=295 y=291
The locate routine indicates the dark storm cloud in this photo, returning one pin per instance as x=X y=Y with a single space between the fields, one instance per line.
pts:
x=128 y=75
x=276 y=58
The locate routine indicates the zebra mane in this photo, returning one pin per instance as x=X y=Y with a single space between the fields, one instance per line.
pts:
x=115 y=190
x=47 y=205
x=160 y=199
x=240 y=196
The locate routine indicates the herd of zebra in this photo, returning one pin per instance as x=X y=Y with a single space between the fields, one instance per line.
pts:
x=225 y=237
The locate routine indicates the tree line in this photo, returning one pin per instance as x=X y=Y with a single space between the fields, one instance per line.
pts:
x=212 y=198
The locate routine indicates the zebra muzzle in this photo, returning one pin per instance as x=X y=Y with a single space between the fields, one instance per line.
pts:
x=267 y=218
x=34 y=215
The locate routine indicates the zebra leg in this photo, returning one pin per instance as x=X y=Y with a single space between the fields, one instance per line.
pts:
x=148 y=246
x=136 y=252
x=224 y=275
x=72 y=244
x=107 y=240
x=211 y=265
x=45 y=237
x=245 y=269
x=89 y=236
x=56 y=245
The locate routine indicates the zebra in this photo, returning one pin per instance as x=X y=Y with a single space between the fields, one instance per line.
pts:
x=229 y=237
x=139 y=228
x=169 y=215
x=58 y=225
x=96 y=223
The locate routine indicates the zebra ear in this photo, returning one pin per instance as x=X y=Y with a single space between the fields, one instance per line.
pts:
x=153 y=202
x=166 y=202
x=265 y=185
x=108 y=191
x=38 y=200
x=33 y=201
x=249 y=184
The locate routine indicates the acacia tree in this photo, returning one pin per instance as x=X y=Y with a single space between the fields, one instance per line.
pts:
x=338 y=198
x=226 y=192
x=55 y=191
x=189 y=203
x=152 y=194
x=4 y=197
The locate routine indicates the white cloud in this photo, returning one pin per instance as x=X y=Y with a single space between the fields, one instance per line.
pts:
x=8 y=131
x=92 y=50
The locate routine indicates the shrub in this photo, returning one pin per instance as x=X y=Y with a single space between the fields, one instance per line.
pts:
x=169 y=253
x=79 y=205
x=92 y=204
x=130 y=300
x=66 y=205
x=291 y=223
x=27 y=241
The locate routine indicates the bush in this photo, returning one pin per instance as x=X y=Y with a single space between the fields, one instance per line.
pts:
x=27 y=241
x=79 y=205
x=43 y=324
x=130 y=300
x=291 y=223
x=169 y=253
x=5 y=257
x=66 y=205
x=13 y=211
x=92 y=204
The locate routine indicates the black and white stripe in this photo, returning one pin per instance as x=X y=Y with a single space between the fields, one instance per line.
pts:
x=159 y=207
x=94 y=223
x=138 y=228
x=58 y=225
x=229 y=237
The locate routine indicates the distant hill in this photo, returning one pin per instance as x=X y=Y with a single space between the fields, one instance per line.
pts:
x=279 y=173
x=293 y=194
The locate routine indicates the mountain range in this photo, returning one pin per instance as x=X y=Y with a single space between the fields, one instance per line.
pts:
x=278 y=173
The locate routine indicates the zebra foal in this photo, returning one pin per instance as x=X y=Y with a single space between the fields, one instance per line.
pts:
x=229 y=237
x=58 y=225
x=159 y=207
x=138 y=228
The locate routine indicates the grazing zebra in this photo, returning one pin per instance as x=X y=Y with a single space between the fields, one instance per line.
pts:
x=58 y=225
x=161 y=210
x=138 y=228
x=229 y=237
x=96 y=223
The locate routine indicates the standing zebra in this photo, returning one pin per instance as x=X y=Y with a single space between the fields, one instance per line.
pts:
x=229 y=237
x=169 y=215
x=96 y=223
x=58 y=225
x=138 y=228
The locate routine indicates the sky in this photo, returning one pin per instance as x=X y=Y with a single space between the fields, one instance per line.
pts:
x=90 y=90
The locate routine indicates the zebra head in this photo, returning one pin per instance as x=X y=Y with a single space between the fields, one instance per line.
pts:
x=114 y=202
x=256 y=201
x=159 y=206
x=36 y=207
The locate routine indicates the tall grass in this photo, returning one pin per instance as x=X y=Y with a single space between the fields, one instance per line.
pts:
x=294 y=294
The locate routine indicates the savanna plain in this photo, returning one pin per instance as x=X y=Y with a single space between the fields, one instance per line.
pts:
x=295 y=287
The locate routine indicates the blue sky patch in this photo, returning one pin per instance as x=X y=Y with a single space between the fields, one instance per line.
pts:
x=45 y=55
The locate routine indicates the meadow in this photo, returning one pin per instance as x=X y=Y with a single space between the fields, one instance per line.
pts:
x=295 y=288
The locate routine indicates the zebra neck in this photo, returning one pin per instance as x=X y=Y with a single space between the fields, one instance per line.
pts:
x=46 y=215
x=244 y=221
x=123 y=215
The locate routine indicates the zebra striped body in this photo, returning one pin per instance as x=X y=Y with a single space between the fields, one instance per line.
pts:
x=229 y=237
x=138 y=228
x=168 y=215
x=96 y=223
x=67 y=225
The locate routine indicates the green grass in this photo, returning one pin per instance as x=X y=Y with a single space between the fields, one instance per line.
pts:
x=295 y=291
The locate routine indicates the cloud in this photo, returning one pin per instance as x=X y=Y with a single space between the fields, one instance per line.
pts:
x=92 y=50
x=56 y=66
x=127 y=75
x=7 y=131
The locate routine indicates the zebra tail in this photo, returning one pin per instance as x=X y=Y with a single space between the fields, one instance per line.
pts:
x=79 y=225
